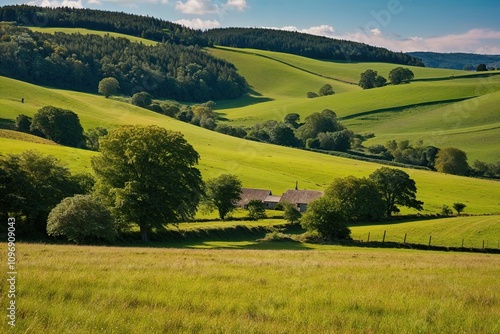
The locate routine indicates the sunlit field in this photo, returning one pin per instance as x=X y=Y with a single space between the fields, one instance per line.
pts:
x=340 y=290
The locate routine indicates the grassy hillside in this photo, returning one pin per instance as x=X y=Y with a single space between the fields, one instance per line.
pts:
x=258 y=165
x=336 y=290
x=444 y=232
x=442 y=107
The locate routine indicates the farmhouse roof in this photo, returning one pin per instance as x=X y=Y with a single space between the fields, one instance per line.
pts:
x=248 y=194
x=300 y=196
x=272 y=199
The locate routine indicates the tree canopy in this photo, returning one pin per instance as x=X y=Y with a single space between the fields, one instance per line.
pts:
x=325 y=217
x=80 y=61
x=370 y=79
x=32 y=184
x=60 y=125
x=108 y=86
x=358 y=198
x=452 y=160
x=396 y=188
x=222 y=193
x=81 y=219
x=400 y=75
x=147 y=174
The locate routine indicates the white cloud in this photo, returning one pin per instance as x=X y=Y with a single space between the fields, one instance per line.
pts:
x=197 y=7
x=56 y=3
x=199 y=23
x=80 y=3
x=484 y=41
x=239 y=5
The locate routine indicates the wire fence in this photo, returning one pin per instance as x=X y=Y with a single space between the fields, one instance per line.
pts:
x=430 y=241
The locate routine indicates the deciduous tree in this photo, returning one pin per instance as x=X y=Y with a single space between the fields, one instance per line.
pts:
x=256 y=210
x=222 y=193
x=400 y=75
x=81 y=219
x=60 y=125
x=452 y=160
x=108 y=86
x=147 y=174
x=459 y=207
x=358 y=198
x=326 y=218
x=396 y=188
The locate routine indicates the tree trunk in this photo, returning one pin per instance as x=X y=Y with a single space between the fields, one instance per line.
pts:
x=144 y=234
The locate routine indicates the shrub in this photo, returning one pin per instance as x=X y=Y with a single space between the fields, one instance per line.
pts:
x=81 y=219
x=142 y=99
x=256 y=210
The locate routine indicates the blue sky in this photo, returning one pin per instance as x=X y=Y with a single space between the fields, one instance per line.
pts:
x=399 y=25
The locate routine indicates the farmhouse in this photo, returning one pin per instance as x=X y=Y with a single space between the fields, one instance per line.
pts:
x=301 y=198
x=249 y=194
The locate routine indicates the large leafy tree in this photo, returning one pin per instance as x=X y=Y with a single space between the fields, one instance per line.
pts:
x=371 y=79
x=108 y=86
x=31 y=185
x=452 y=160
x=147 y=174
x=325 y=121
x=222 y=193
x=396 y=188
x=60 y=125
x=400 y=75
x=325 y=217
x=358 y=198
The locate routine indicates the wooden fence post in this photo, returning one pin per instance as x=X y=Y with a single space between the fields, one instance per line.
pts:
x=404 y=241
x=483 y=244
x=383 y=238
x=430 y=238
x=368 y=237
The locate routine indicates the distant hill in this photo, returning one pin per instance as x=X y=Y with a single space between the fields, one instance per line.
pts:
x=306 y=45
x=457 y=61
x=129 y=24
x=312 y=46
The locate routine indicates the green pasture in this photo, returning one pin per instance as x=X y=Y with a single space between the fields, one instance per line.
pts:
x=442 y=107
x=342 y=70
x=82 y=289
x=449 y=232
x=258 y=165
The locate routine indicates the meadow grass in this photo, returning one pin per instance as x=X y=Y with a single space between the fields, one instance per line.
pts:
x=258 y=165
x=449 y=232
x=81 y=289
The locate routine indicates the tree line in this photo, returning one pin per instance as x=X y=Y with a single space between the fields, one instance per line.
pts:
x=163 y=31
x=147 y=175
x=79 y=62
x=129 y=24
x=311 y=46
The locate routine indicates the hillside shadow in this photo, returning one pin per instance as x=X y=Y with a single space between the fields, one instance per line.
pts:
x=401 y=108
x=247 y=100
x=7 y=124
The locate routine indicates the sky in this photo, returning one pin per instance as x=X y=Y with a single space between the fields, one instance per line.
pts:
x=399 y=25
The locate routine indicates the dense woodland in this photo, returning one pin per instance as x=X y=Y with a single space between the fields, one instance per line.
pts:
x=135 y=25
x=457 y=61
x=79 y=62
x=305 y=45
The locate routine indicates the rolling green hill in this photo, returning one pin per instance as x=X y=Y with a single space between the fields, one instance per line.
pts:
x=258 y=165
x=444 y=232
x=441 y=107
